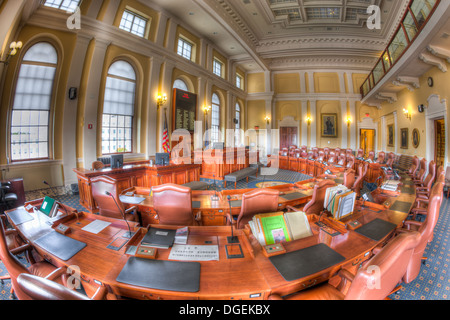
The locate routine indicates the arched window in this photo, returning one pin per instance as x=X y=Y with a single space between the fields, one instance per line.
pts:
x=215 y=119
x=180 y=84
x=237 y=135
x=32 y=103
x=118 y=109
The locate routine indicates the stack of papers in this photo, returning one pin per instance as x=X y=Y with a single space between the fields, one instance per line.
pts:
x=181 y=235
x=340 y=201
x=390 y=185
x=279 y=227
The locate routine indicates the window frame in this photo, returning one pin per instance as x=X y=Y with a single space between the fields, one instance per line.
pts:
x=133 y=117
x=51 y=110
x=185 y=42
x=213 y=105
x=135 y=15
x=59 y=6
x=217 y=61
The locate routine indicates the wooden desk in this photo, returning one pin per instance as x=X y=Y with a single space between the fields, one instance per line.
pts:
x=138 y=175
x=251 y=277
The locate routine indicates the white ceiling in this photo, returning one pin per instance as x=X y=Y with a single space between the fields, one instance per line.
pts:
x=259 y=36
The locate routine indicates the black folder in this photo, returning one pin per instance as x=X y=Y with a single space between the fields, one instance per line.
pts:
x=305 y=262
x=59 y=245
x=159 y=238
x=161 y=275
x=19 y=216
x=401 y=206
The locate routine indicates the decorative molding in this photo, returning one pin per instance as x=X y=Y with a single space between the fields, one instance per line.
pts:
x=432 y=60
x=439 y=52
x=323 y=62
x=387 y=96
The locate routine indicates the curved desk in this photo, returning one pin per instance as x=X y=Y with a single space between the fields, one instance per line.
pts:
x=254 y=276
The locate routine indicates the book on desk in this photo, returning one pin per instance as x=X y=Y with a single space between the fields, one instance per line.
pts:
x=340 y=201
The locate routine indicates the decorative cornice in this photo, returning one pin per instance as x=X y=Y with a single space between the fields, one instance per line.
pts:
x=323 y=62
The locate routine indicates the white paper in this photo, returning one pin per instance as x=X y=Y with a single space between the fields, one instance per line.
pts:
x=194 y=253
x=96 y=227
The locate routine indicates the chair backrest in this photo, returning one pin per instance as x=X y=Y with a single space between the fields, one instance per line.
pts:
x=423 y=169
x=284 y=152
x=376 y=279
x=350 y=161
x=349 y=178
x=371 y=155
x=173 y=204
x=414 y=166
x=14 y=267
x=97 y=165
x=381 y=157
x=342 y=160
x=426 y=231
x=256 y=202
x=390 y=160
x=360 y=153
x=321 y=156
x=316 y=204
x=42 y=289
x=357 y=186
x=106 y=205
x=447 y=173
x=431 y=176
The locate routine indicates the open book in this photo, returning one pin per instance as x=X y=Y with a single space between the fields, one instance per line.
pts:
x=279 y=227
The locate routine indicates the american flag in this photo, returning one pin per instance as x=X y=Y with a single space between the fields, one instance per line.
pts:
x=165 y=139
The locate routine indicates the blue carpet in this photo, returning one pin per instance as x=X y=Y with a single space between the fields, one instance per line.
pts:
x=433 y=282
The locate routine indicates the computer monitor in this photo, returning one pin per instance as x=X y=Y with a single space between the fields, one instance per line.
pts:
x=162 y=159
x=116 y=161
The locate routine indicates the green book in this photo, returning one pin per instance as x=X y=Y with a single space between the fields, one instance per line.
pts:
x=274 y=228
x=47 y=206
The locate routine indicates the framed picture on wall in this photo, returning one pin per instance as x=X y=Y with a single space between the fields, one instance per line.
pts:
x=329 y=125
x=416 y=138
x=391 y=135
x=404 y=138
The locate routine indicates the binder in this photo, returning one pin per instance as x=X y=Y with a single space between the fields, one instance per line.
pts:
x=47 y=206
x=159 y=238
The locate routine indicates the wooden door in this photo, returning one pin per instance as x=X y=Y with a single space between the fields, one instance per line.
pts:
x=439 y=148
x=288 y=137
x=367 y=138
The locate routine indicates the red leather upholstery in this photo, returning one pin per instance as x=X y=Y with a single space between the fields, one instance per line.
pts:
x=39 y=288
x=349 y=178
x=371 y=155
x=375 y=280
x=360 y=153
x=15 y=268
x=316 y=205
x=390 y=160
x=256 y=202
x=106 y=205
x=381 y=157
x=421 y=172
x=425 y=230
x=414 y=167
x=173 y=204
x=425 y=186
x=359 y=182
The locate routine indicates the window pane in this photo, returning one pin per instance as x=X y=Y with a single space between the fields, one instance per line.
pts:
x=133 y=23
x=410 y=26
x=398 y=45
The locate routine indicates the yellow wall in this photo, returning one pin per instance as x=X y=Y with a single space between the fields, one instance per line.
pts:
x=256 y=83
x=326 y=82
x=287 y=83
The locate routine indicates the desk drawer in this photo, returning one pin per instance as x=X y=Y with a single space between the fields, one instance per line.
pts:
x=213 y=218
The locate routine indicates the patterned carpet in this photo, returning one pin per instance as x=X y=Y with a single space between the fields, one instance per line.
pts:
x=433 y=282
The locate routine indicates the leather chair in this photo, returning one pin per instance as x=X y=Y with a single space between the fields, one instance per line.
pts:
x=371 y=156
x=38 y=288
x=7 y=198
x=284 y=152
x=390 y=160
x=360 y=153
x=350 y=161
x=359 y=181
x=414 y=167
x=316 y=204
x=15 y=268
x=423 y=189
x=332 y=158
x=349 y=178
x=420 y=174
x=337 y=151
x=374 y=281
x=256 y=202
x=106 y=204
x=321 y=156
x=381 y=157
x=173 y=205
x=342 y=160
x=425 y=229
x=97 y=165
x=422 y=203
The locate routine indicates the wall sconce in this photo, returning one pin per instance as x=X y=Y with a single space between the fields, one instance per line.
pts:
x=161 y=100
x=407 y=113
x=267 y=119
x=349 y=121
x=308 y=120
x=206 y=110
x=14 y=47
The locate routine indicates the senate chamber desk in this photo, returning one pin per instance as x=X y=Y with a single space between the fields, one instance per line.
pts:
x=253 y=276
x=135 y=175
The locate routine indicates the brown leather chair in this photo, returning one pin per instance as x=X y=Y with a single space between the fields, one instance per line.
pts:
x=390 y=160
x=15 y=268
x=342 y=160
x=360 y=153
x=173 y=205
x=423 y=189
x=359 y=181
x=256 y=202
x=38 y=288
x=349 y=178
x=371 y=156
x=420 y=174
x=107 y=206
x=414 y=167
x=97 y=165
x=381 y=157
x=332 y=158
x=425 y=230
x=350 y=161
x=421 y=205
x=374 y=281
x=316 y=204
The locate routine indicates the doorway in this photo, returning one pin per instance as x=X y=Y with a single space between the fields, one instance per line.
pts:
x=288 y=137
x=439 y=147
x=367 y=141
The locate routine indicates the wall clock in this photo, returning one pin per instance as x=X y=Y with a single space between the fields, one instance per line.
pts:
x=430 y=82
x=421 y=108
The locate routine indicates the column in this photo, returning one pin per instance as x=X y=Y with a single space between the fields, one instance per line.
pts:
x=70 y=111
x=315 y=119
x=304 y=132
x=383 y=133
x=397 y=135
x=344 y=113
x=353 y=126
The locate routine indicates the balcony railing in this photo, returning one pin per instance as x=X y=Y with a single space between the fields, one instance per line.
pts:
x=416 y=17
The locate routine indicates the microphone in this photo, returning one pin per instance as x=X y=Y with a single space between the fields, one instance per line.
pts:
x=130 y=234
x=215 y=197
x=233 y=238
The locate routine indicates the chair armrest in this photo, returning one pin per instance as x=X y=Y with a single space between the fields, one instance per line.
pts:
x=292 y=209
x=131 y=210
x=56 y=274
x=21 y=249
x=408 y=224
x=100 y=294
x=346 y=276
